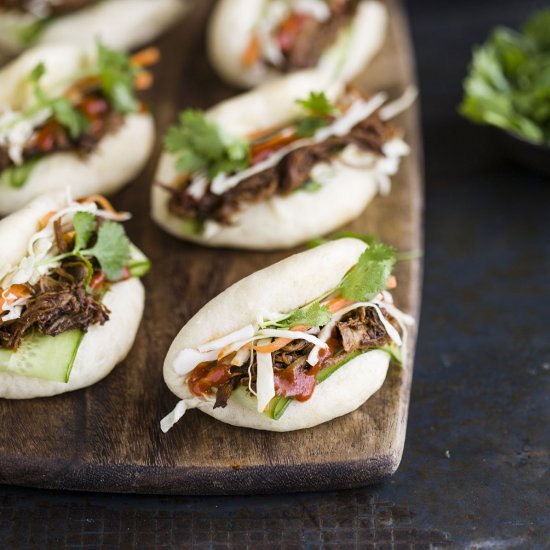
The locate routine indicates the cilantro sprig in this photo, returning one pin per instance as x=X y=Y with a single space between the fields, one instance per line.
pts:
x=320 y=112
x=63 y=110
x=112 y=248
x=116 y=76
x=201 y=145
x=16 y=176
x=312 y=315
x=370 y=274
x=508 y=81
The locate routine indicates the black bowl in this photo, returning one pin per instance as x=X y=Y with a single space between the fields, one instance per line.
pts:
x=526 y=152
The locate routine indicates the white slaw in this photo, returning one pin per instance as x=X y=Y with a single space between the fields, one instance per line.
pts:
x=265 y=382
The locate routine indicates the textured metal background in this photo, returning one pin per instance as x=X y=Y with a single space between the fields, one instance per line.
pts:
x=475 y=469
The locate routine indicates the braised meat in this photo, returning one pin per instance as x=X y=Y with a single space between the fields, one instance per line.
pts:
x=315 y=36
x=52 y=137
x=59 y=302
x=359 y=330
x=291 y=173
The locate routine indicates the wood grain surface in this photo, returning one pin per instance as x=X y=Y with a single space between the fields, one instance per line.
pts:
x=107 y=437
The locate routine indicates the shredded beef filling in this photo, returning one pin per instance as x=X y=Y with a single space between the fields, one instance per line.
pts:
x=51 y=8
x=52 y=137
x=59 y=303
x=361 y=329
x=290 y=174
x=315 y=36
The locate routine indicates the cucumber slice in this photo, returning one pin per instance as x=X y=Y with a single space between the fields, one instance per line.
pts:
x=277 y=406
x=139 y=264
x=45 y=357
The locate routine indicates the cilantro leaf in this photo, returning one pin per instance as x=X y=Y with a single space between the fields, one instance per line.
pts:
x=369 y=275
x=537 y=29
x=116 y=75
x=37 y=73
x=63 y=110
x=319 y=112
x=318 y=104
x=202 y=145
x=16 y=176
x=70 y=117
x=112 y=250
x=312 y=315
x=307 y=127
x=84 y=224
x=508 y=81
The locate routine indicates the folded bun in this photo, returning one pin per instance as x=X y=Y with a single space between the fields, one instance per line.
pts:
x=121 y=24
x=103 y=346
x=282 y=287
x=282 y=221
x=115 y=160
x=344 y=60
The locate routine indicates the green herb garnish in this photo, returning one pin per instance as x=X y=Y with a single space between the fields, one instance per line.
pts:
x=112 y=248
x=16 y=176
x=63 y=110
x=370 y=274
x=509 y=81
x=116 y=75
x=312 y=315
x=319 y=113
x=202 y=145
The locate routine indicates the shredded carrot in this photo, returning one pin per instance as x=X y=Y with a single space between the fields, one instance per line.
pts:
x=272 y=144
x=273 y=346
x=392 y=282
x=43 y=221
x=101 y=200
x=143 y=80
x=338 y=303
x=277 y=344
x=146 y=57
x=253 y=52
x=76 y=91
x=14 y=293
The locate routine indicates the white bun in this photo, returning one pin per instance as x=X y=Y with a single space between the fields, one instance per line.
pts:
x=343 y=392
x=103 y=347
x=283 y=287
x=342 y=61
x=282 y=221
x=121 y=24
x=115 y=161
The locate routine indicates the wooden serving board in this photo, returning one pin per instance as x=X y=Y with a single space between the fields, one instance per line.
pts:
x=107 y=437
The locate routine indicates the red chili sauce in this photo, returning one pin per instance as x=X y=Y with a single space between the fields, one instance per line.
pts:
x=208 y=375
x=297 y=383
x=94 y=107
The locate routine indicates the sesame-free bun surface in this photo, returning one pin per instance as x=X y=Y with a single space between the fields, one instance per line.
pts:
x=120 y=24
x=282 y=287
x=281 y=221
x=118 y=157
x=102 y=347
x=233 y=21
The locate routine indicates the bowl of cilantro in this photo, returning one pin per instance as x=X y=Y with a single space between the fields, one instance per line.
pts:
x=508 y=87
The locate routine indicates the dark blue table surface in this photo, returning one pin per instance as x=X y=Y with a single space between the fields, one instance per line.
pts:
x=475 y=469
